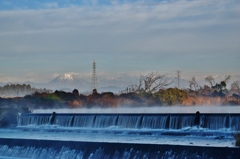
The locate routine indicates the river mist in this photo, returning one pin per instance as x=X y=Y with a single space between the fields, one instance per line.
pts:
x=142 y=110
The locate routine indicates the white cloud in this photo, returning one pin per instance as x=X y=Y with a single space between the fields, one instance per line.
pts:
x=154 y=32
x=130 y=15
x=51 y=5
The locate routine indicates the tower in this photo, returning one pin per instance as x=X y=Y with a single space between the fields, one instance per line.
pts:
x=94 y=76
x=178 y=77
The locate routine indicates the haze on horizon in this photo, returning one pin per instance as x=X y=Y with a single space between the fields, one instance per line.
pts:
x=40 y=40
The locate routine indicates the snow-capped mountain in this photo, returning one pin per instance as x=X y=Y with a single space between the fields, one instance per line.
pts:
x=67 y=77
x=69 y=81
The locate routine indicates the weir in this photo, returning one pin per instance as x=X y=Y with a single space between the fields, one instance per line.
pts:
x=49 y=149
x=124 y=142
x=134 y=121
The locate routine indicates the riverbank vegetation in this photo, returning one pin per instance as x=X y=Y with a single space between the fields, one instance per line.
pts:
x=151 y=90
x=163 y=97
x=19 y=90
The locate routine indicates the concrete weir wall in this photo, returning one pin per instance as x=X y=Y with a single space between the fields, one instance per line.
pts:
x=26 y=148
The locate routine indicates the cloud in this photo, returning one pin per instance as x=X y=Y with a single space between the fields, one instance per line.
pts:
x=160 y=16
x=176 y=34
x=51 y=5
x=136 y=24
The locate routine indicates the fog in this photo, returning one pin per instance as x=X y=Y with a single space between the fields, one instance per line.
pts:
x=142 y=110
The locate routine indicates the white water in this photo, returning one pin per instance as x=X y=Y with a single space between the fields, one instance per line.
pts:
x=128 y=128
x=112 y=135
x=134 y=121
x=110 y=128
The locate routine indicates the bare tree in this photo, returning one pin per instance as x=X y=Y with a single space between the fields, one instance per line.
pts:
x=151 y=83
x=227 y=78
x=210 y=79
x=236 y=85
x=193 y=83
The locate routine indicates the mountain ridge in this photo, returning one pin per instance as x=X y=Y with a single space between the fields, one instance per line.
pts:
x=70 y=81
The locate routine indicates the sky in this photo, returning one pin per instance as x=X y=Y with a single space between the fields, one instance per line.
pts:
x=42 y=39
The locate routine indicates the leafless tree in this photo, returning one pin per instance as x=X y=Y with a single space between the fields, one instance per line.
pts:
x=151 y=83
x=193 y=83
x=210 y=79
x=236 y=85
x=227 y=78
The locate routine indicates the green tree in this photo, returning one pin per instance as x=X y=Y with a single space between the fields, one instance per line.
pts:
x=171 y=96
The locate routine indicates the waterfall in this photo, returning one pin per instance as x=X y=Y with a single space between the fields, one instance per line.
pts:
x=181 y=121
x=154 y=122
x=41 y=119
x=38 y=153
x=84 y=120
x=235 y=122
x=214 y=122
x=127 y=121
x=63 y=120
x=104 y=121
x=133 y=121
x=50 y=149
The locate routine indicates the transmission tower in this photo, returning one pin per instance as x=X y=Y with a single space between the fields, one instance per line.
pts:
x=178 y=77
x=94 y=76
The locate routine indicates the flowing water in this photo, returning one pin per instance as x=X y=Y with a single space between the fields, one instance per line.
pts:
x=121 y=134
x=134 y=121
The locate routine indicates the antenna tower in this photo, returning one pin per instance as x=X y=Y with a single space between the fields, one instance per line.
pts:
x=178 y=77
x=94 y=76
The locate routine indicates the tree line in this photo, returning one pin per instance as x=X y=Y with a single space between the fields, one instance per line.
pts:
x=19 y=90
x=150 y=90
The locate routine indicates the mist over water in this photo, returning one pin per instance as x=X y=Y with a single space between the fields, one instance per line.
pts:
x=143 y=110
x=142 y=135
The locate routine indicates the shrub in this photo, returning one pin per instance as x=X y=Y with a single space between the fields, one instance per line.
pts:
x=171 y=96
x=42 y=100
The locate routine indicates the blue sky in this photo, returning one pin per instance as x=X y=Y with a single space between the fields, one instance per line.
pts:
x=42 y=39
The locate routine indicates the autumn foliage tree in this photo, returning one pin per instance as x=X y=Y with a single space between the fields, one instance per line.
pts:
x=171 y=96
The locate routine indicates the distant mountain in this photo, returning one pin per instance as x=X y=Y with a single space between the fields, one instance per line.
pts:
x=65 y=78
x=69 y=81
